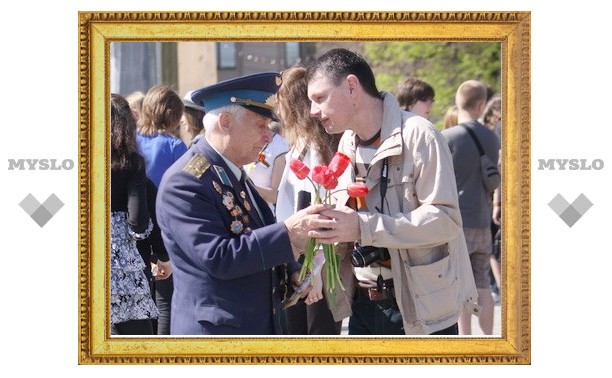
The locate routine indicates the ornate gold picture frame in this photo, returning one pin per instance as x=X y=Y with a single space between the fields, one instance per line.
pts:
x=98 y=29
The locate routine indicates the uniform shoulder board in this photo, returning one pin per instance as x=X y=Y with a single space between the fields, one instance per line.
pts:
x=197 y=166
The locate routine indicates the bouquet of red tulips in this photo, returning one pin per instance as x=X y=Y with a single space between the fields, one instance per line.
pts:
x=326 y=177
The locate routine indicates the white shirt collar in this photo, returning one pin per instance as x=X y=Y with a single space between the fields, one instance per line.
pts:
x=237 y=171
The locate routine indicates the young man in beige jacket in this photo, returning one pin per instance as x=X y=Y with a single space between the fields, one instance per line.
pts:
x=419 y=279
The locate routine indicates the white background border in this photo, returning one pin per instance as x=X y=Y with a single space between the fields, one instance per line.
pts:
x=570 y=96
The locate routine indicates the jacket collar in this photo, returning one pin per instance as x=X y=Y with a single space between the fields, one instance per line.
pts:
x=216 y=160
x=391 y=130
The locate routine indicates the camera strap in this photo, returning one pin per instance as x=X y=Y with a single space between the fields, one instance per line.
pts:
x=384 y=173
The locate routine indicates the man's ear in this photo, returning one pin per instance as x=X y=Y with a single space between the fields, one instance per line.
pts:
x=224 y=121
x=352 y=82
x=481 y=107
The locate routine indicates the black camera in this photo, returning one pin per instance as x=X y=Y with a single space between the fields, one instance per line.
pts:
x=364 y=256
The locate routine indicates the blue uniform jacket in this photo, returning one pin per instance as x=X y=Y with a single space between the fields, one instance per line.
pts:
x=227 y=264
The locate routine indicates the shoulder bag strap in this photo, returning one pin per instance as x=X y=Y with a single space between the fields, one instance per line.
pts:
x=474 y=138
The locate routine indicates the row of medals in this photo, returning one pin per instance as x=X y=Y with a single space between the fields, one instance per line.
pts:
x=241 y=220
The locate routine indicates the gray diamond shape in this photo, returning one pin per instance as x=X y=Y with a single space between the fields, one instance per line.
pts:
x=558 y=204
x=582 y=204
x=570 y=216
x=53 y=204
x=41 y=216
x=29 y=204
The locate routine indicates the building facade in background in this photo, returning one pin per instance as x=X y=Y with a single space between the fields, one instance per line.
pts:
x=137 y=66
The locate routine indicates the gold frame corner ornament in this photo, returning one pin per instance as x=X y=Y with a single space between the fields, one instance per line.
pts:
x=98 y=29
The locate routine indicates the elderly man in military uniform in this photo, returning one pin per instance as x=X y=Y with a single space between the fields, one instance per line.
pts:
x=231 y=260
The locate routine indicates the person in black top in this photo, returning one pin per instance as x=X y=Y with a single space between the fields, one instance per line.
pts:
x=132 y=307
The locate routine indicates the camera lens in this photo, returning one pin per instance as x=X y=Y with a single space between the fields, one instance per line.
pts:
x=364 y=256
x=357 y=260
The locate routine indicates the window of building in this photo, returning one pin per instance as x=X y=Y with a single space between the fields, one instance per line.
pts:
x=292 y=53
x=226 y=55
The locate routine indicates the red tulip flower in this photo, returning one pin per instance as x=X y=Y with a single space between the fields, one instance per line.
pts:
x=323 y=176
x=300 y=169
x=339 y=163
x=357 y=189
x=331 y=181
x=318 y=174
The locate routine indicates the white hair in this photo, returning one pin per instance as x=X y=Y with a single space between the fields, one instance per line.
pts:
x=210 y=118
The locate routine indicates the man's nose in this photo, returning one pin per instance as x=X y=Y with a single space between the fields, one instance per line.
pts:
x=314 y=110
x=268 y=136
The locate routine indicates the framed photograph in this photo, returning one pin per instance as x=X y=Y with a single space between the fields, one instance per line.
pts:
x=105 y=35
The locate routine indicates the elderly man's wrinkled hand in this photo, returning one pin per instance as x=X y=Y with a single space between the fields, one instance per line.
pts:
x=300 y=223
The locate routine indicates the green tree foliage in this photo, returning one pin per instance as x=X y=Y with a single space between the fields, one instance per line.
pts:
x=444 y=65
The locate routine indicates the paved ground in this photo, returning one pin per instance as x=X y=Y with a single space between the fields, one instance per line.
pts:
x=475 y=326
x=496 y=322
